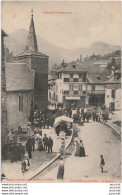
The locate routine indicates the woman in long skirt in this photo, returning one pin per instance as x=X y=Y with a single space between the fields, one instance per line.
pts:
x=40 y=145
x=77 y=148
x=82 y=150
x=60 y=174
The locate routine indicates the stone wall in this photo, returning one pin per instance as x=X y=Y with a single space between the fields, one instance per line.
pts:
x=16 y=117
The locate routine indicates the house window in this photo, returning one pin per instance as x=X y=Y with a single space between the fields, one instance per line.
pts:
x=93 y=88
x=71 y=75
x=75 y=92
x=113 y=93
x=107 y=96
x=66 y=92
x=66 y=79
x=84 y=92
x=80 y=76
x=21 y=102
x=60 y=75
x=75 y=80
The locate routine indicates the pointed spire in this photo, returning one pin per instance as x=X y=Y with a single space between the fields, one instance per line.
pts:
x=31 y=45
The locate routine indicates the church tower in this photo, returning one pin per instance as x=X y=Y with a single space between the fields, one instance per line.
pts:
x=39 y=62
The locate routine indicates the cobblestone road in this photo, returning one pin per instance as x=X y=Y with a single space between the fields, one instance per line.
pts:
x=98 y=139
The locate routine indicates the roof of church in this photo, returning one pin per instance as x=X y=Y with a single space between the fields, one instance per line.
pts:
x=19 y=77
x=31 y=45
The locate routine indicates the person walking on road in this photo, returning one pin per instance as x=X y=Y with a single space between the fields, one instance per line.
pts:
x=50 y=144
x=102 y=163
x=82 y=150
x=60 y=174
x=77 y=148
x=40 y=145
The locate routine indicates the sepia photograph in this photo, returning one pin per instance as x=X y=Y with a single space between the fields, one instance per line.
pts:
x=61 y=92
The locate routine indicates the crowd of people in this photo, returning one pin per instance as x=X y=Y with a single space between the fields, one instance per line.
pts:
x=37 y=142
x=83 y=115
x=15 y=150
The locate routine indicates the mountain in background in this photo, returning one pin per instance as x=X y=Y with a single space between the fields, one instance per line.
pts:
x=16 y=42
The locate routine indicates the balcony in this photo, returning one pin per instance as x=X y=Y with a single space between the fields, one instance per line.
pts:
x=74 y=80
x=96 y=92
x=71 y=93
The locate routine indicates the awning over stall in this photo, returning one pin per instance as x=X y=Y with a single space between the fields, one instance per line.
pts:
x=62 y=118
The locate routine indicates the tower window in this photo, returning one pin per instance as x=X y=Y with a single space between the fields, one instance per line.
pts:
x=113 y=93
x=21 y=102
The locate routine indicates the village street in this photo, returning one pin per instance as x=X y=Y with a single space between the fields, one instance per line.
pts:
x=98 y=139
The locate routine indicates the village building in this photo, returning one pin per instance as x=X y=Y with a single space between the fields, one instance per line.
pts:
x=37 y=61
x=71 y=86
x=24 y=83
x=101 y=65
x=113 y=91
x=96 y=88
x=20 y=92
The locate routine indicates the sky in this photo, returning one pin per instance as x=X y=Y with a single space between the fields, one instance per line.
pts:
x=86 y=23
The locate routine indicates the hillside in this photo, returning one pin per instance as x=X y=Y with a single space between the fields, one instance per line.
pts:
x=16 y=42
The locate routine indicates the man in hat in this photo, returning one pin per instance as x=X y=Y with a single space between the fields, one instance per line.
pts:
x=102 y=163
x=50 y=144
x=45 y=142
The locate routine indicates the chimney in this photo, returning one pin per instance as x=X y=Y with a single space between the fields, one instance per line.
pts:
x=63 y=63
x=80 y=58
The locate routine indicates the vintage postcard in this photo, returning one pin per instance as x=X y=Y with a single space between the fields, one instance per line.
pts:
x=61 y=91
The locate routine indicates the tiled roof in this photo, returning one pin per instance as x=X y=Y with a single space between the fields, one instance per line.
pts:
x=113 y=81
x=28 y=53
x=102 y=62
x=94 y=77
x=72 y=67
x=19 y=77
x=31 y=45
